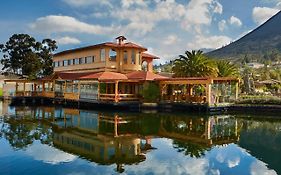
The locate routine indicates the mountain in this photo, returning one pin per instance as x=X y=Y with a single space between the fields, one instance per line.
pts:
x=261 y=41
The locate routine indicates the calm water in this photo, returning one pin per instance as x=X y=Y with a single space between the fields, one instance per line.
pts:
x=48 y=140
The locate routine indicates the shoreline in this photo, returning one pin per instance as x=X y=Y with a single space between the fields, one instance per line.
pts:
x=161 y=107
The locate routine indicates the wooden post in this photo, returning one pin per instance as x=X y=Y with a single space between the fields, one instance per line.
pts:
x=43 y=86
x=98 y=98
x=116 y=92
x=17 y=87
x=79 y=89
x=208 y=94
x=208 y=129
x=48 y=86
x=190 y=89
x=24 y=89
x=116 y=125
x=236 y=90
x=65 y=84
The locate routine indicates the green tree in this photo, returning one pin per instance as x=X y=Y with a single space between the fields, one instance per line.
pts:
x=193 y=64
x=151 y=92
x=226 y=69
x=22 y=54
x=48 y=47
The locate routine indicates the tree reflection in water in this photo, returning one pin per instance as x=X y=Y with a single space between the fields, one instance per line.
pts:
x=190 y=149
x=21 y=132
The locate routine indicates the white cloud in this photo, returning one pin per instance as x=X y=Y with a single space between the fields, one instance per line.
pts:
x=99 y=15
x=222 y=25
x=48 y=154
x=129 y=3
x=233 y=162
x=209 y=42
x=235 y=21
x=199 y=12
x=86 y=3
x=218 y=8
x=171 y=39
x=262 y=14
x=55 y=24
x=259 y=168
x=67 y=40
x=145 y=19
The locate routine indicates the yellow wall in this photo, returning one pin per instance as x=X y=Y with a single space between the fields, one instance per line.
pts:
x=98 y=65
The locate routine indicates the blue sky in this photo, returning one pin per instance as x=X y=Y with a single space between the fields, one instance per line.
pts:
x=166 y=28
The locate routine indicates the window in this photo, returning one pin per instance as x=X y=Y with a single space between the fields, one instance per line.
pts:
x=73 y=61
x=69 y=62
x=133 y=61
x=112 y=55
x=76 y=60
x=125 y=57
x=65 y=63
x=102 y=55
x=89 y=59
x=81 y=60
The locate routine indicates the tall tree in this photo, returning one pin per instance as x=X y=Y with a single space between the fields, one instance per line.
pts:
x=48 y=46
x=226 y=69
x=22 y=54
x=193 y=64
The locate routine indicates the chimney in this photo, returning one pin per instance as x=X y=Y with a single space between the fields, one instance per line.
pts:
x=121 y=39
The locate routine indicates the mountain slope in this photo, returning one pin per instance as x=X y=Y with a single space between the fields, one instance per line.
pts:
x=263 y=39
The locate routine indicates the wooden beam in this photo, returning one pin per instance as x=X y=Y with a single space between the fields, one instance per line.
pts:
x=186 y=82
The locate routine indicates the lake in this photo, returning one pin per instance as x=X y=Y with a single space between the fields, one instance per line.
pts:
x=55 y=140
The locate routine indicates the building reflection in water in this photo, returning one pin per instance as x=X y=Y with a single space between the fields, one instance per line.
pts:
x=122 y=140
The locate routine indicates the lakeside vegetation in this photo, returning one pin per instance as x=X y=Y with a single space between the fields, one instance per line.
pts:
x=196 y=64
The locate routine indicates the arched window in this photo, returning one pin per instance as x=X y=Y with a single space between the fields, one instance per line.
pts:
x=144 y=66
x=112 y=55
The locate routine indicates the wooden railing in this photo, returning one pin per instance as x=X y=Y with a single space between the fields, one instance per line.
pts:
x=184 y=98
x=107 y=97
x=119 y=97
x=48 y=94
x=76 y=96
x=71 y=96
x=127 y=97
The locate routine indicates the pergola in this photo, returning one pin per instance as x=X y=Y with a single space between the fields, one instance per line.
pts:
x=211 y=90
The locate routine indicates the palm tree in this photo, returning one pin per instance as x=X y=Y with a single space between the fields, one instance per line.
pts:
x=226 y=69
x=193 y=64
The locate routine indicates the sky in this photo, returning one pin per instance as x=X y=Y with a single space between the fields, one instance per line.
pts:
x=166 y=27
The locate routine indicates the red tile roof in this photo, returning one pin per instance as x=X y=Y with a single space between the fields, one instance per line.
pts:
x=147 y=55
x=145 y=76
x=103 y=76
x=108 y=44
x=66 y=76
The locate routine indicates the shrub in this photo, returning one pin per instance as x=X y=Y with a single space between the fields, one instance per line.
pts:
x=151 y=92
x=259 y=100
